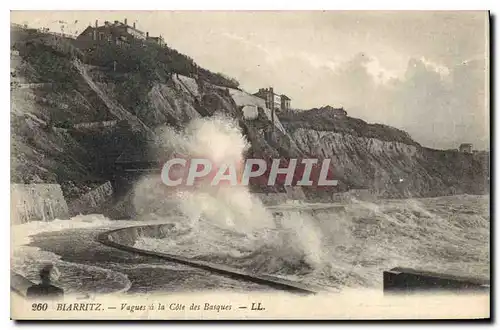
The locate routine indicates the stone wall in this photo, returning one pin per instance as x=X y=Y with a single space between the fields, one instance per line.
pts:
x=91 y=202
x=37 y=202
x=97 y=124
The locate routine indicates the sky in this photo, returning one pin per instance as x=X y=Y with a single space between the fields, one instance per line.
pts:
x=423 y=72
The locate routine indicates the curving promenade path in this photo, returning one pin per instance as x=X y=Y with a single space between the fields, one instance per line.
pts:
x=124 y=239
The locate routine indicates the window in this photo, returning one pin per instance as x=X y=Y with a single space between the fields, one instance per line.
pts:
x=101 y=35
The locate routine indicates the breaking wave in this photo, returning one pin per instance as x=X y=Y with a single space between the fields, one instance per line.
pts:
x=350 y=248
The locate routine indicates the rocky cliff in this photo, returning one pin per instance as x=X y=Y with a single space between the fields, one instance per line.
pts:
x=383 y=159
x=48 y=144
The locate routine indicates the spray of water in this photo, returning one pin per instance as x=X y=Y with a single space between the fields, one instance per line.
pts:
x=230 y=226
x=218 y=139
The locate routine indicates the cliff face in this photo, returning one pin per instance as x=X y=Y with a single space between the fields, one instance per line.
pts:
x=385 y=160
x=48 y=147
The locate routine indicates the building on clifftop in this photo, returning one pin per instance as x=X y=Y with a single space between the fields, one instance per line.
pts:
x=274 y=101
x=157 y=40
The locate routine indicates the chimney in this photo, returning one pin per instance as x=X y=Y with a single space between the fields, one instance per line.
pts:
x=96 y=23
x=125 y=21
x=134 y=25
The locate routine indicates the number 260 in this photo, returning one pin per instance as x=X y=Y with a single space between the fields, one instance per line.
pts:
x=39 y=307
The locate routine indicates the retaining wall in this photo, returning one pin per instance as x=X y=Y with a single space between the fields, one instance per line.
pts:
x=91 y=202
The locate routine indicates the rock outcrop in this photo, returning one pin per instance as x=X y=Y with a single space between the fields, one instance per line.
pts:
x=384 y=160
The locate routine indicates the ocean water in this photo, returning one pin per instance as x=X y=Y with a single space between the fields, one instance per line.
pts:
x=352 y=248
x=347 y=249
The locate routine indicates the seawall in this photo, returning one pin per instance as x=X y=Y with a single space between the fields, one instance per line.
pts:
x=358 y=194
x=407 y=280
x=125 y=238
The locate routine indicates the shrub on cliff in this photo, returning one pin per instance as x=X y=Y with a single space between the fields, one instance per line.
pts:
x=218 y=79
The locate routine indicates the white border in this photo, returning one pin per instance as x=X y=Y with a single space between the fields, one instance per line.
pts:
x=259 y=5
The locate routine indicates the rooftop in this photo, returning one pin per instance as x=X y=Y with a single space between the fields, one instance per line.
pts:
x=268 y=90
x=117 y=24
